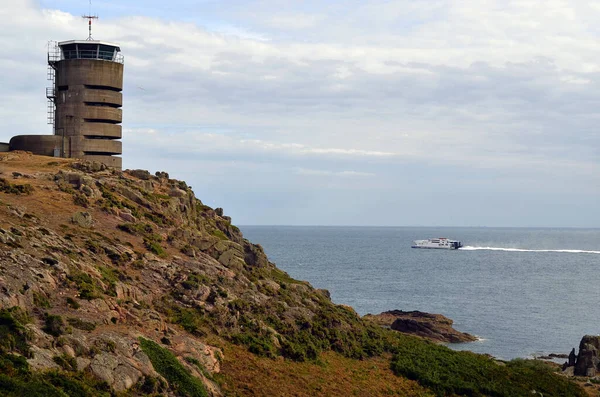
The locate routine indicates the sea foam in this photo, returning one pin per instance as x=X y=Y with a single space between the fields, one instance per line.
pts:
x=471 y=248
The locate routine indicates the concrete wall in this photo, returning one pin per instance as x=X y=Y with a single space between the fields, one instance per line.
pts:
x=101 y=130
x=43 y=145
x=80 y=147
x=74 y=72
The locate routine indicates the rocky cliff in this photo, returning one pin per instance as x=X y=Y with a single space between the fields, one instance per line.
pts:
x=125 y=283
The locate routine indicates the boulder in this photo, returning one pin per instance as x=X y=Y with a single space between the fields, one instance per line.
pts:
x=140 y=174
x=83 y=219
x=89 y=167
x=125 y=214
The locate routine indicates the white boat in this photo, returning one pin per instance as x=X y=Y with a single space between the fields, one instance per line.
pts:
x=437 y=243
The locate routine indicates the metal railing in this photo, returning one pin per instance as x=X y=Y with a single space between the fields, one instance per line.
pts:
x=112 y=56
x=55 y=54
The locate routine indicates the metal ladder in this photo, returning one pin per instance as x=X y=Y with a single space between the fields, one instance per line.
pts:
x=53 y=57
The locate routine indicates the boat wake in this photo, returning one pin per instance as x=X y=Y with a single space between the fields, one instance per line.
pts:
x=471 y=248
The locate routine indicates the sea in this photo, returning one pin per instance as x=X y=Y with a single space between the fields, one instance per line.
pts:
x=524 y=292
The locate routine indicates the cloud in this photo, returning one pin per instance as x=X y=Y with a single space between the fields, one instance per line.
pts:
x=386 y=89
x=343 y=174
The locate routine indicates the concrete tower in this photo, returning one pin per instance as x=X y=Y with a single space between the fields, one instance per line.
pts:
x=88 y=99
x=84 y=103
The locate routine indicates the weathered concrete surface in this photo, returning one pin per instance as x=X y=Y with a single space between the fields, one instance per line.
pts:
x=42 y=145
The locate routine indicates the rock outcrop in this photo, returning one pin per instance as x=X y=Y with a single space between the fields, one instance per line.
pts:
x=587 y=361
x=435 y=327
x=98 y=259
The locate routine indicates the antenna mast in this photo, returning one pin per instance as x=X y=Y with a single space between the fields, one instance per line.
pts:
x=90 y=17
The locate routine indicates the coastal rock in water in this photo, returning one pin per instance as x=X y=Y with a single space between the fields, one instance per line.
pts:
x=435 y=327
x=587 y=363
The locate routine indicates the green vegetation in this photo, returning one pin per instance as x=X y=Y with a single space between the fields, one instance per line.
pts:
x=40 y=300
x=180 y=379
x=94 y=246
x=444 y=371
x=17 y=380
x=13 y=334
x=282 y=277
x=448 y=372
x=193 y=281
x=16 y=377
x=109 y=200
x=11 y=188
x=81 y=324
x=137 y=229
x=85 y=284
x=152 y=243
x=110 y=277
x=156 y=217
x=89 y=288
x=54 y=325
x=73 y=304
x=81 y=200
x=189 y=319
x=67 y=363
x=219 y=234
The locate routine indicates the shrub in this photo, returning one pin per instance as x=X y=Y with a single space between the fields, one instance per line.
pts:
x=85 y=284
x=193 y=281
x=165 y=363
x=151 y=386
x=54 y=325
x=10 y=188
x=81 y=324
x=219 y=234
x=73 y=304
x=154 y=247
x=80 y=200
x=67 y=363
x=110 y=277
x=136 y=228
x=189 y=319
x=259 y=344
x=448 y=372
x=156 y=217
x=13 y=335
x=94 y=247
x=40 y=300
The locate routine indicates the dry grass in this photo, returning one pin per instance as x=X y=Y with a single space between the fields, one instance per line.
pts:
x=244 y=374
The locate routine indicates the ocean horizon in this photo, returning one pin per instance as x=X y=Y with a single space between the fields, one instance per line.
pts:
x=521 y=290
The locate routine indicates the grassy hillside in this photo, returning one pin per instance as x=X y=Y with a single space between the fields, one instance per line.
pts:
x=125 y=283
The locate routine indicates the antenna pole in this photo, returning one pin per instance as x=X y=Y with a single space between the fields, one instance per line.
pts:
x=89 y=17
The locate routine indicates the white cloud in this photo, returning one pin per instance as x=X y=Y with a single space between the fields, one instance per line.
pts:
x=328 y=173
x=490 y=86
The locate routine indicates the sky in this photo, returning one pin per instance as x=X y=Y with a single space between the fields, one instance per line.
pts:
x=373 y=112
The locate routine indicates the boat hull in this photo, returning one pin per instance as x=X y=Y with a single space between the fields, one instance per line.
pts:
x=434 y=248
x=441 y=243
